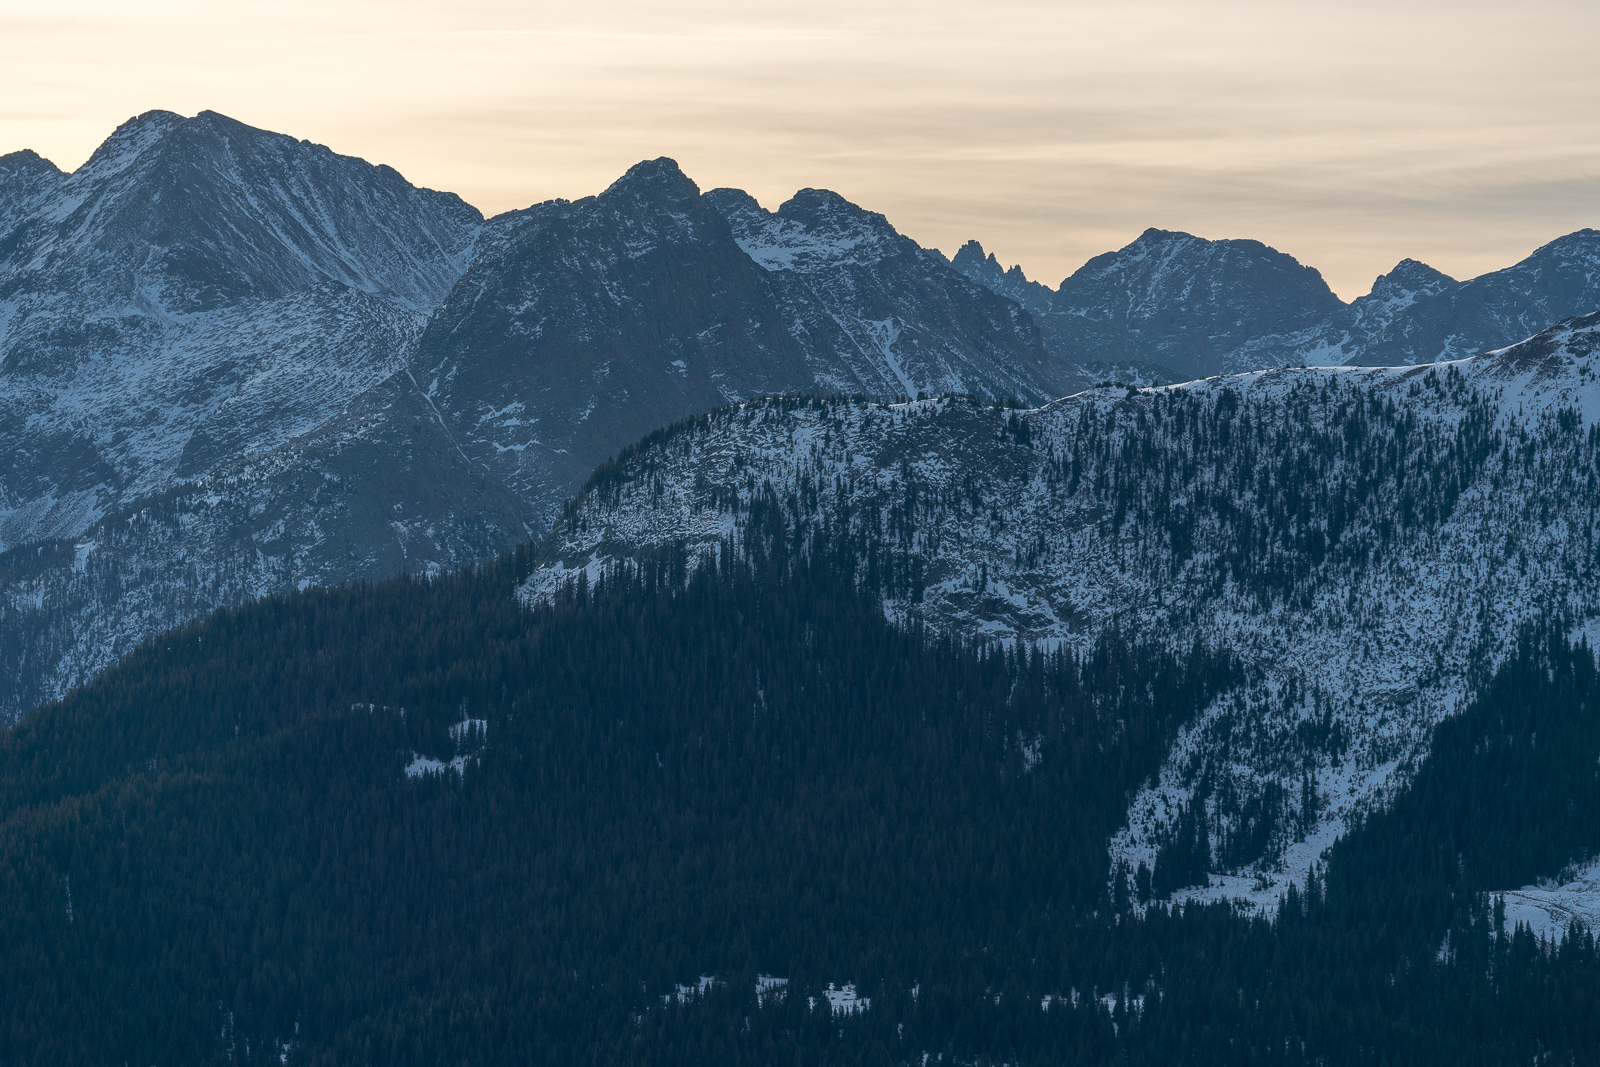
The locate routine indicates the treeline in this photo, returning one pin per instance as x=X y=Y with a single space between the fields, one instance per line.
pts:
x=1509 y=794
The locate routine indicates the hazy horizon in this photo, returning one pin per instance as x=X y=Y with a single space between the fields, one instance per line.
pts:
x=1349 y=136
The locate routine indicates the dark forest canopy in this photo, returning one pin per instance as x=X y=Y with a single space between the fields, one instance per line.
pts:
x=215 y=852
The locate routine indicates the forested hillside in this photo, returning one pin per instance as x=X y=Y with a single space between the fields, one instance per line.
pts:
x=1368 y=542
x=238 y=828
x=733 y=817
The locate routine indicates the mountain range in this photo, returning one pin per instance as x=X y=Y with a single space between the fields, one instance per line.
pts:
x=1188 y=308
x=653 y=628
x=238 y=363
x=738 y=766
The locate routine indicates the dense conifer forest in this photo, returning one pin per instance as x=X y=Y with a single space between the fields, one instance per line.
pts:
x=420 y=823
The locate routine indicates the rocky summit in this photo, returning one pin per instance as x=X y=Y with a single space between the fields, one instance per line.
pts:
x=1185 y=303
x=196 y=291
x=1558 y=281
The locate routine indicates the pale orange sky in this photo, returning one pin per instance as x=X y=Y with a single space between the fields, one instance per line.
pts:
x=1347 y=134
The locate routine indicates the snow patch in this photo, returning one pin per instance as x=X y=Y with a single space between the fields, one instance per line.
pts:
x=685 y=994
x=421 y=765
x=1551 y=907
x=1590 y=632
x=844 y=1000
x=469 y=729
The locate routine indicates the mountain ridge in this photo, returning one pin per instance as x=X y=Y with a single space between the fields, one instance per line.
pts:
x=1413 y=314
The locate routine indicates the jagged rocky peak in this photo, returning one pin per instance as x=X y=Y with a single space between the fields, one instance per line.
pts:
x=1581 y=246
x=1369 y=316
x=814 y=230
x=1165 y=259
x=743 y=211
x=24 y=175
x=653 y=181
x=199 y=290
x=1563 y=277
x=881 y=316
x=825 y=211
x=971 y=260
x=582 y=326
x=1408 y=282
x=129 y=141
x=1009 y=282
x=25 y=165
x=1185 y=302
x=653 y=205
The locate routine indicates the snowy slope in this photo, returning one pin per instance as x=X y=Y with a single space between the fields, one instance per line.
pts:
x=1368 y=540
x=197 y=293
x=379 y=489
x=1551 y=907
x=196 y=289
